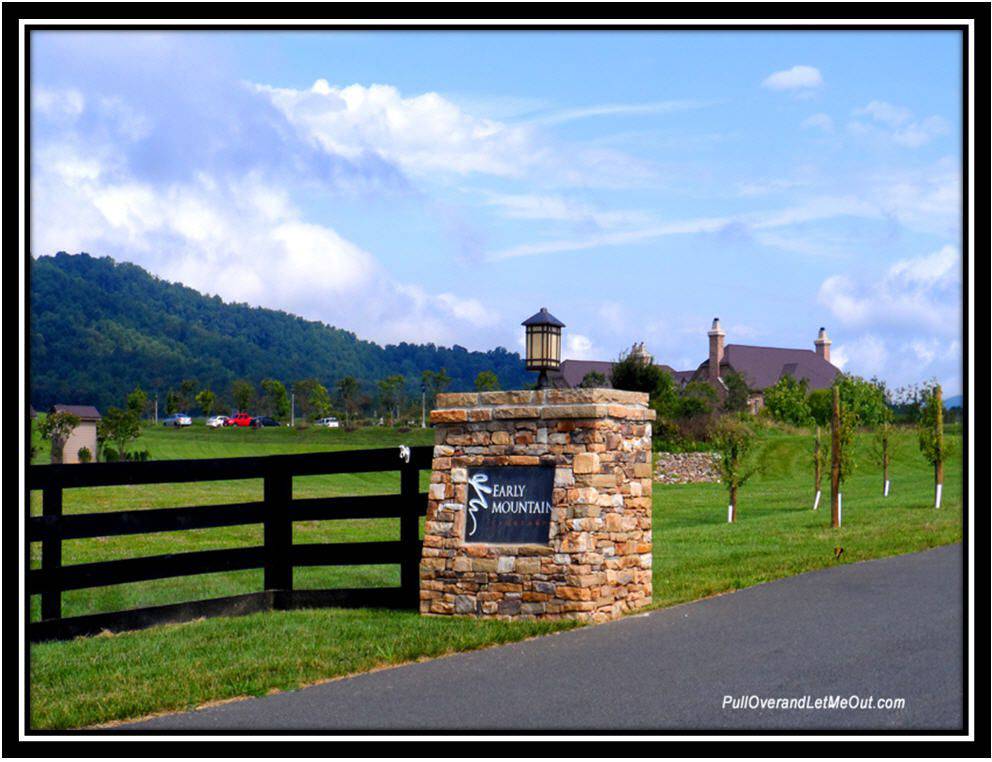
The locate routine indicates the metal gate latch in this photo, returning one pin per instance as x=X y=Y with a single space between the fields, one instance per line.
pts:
x=404 y=453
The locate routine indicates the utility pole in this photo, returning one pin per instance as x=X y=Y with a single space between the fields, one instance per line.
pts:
x=156 y=408
x=292 y=409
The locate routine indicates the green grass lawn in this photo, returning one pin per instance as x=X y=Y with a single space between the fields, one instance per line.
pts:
x=696 y=554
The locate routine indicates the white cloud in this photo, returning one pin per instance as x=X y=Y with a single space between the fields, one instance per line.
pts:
x=796 y=78
x=897 y=124
x=937 y=270
x=901 y=360
x=818 y=121
x=471 y=311
x=754 y=188
x=243 y=239
x=128 y=122
x=927 y=199
x=578 y=347
x=919 y=294
x=886 y=113
x=864 y=356
x=617 y=109
x=61 y=106
x=613 y=316
x=922 y=132
x=433 y=138
x=701 y=225
x=423 y=134
x=561 y=209
x=820 y=208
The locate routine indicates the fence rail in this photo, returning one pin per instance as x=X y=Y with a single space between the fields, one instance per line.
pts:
x=277 y=555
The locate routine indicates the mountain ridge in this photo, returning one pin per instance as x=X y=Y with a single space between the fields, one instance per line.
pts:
x=99 y=327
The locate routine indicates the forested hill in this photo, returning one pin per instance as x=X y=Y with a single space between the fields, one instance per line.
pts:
x=100 y=327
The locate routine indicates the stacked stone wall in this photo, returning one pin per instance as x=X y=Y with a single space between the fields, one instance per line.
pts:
x=686 y=467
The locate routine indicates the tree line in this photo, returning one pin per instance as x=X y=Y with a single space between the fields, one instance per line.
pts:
x=391 y=399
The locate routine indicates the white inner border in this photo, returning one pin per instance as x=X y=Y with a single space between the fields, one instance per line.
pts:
x=970 y=317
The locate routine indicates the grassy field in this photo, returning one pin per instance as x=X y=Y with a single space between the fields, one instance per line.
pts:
x=696 y=554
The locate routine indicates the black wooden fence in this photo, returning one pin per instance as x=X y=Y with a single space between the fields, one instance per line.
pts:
x=277 y=555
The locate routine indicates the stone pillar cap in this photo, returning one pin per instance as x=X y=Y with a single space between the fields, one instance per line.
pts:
x=542 y=403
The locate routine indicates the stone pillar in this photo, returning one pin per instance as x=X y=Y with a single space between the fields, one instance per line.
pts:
x=497 y=457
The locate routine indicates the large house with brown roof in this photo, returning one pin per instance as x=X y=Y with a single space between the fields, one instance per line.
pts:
x=760 y=367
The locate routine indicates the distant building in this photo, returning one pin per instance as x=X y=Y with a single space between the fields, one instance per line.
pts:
x=84 y=435
x=760 y=367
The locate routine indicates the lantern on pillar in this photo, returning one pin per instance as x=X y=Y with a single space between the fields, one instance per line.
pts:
x=543 y=344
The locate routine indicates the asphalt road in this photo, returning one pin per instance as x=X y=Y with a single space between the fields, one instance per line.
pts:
x=890 y=628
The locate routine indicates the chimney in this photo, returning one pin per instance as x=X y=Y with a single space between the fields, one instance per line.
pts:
x=716 y=335
x=822 y=344
x=641 y=353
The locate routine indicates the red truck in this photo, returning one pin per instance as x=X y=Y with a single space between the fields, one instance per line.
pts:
x=241 y=419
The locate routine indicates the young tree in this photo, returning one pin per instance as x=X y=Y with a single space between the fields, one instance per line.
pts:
x=819 y=460
x=302 y=390
x=320 y=401
x=787 y=400
x=880 y=453
x=737 y=392
x=867 y=401
x=435 y=384
x=120 y=427
x=908 y=400
x=734 y=442
x=842 y=425
x=698 y=398
x=486 y=381
x=632 y=373
x=242 y=392
x=57 y=427
x=593 y=380
x=931 y=436
x=665 y=399
x=206 y=400
x=349 y=392
x=391 y=395
x=187 y=388
x=821 y=403
x=137 y=401
x=312 y=398
x=275 y=399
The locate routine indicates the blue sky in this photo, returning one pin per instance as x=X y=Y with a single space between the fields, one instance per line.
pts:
x=444 y=186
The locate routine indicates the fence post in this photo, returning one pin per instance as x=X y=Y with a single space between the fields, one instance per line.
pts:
x=278 y=492
x=51 y=550
x=410 y=535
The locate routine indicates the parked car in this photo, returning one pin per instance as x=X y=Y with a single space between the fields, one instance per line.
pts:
x=330 y=422
x=177 y=420
x=217 y=421
x=241 y=419
x=263 y=420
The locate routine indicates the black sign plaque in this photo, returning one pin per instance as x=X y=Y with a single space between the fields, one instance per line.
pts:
x=509 y=504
